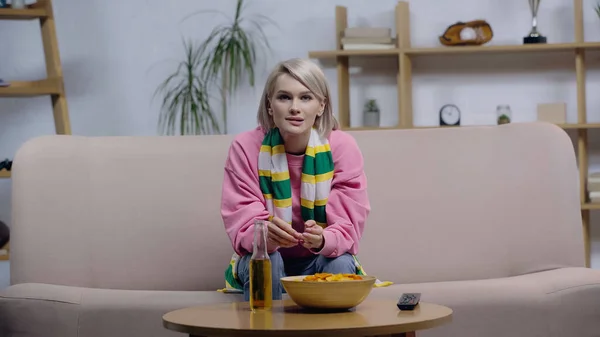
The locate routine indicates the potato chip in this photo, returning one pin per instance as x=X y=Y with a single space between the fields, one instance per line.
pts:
x=328 y=277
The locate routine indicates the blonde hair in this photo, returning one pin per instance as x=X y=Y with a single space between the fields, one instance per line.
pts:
x=312 y=77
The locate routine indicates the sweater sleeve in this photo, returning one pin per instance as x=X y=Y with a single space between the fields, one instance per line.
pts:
x=241 y=199
x=348 y=203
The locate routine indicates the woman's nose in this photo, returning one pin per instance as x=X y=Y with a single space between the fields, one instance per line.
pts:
x=294 y=107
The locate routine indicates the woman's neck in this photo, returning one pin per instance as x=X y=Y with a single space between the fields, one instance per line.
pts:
x=296 y=144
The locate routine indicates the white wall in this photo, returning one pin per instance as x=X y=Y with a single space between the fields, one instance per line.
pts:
x=115 y=53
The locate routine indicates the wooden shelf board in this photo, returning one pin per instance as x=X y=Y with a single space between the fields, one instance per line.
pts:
x=373 y=128
x=442 y=50
x=4 y=174
x=564 y=126
x=551 y=47
x=580 y=126
x=367 y=52
x=22 y=14
x=5 y=249
x=32 y=88
x=590 y=206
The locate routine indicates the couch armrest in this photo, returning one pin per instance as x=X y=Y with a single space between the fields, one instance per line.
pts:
x=52 y=310
x=552 y=303
x=39 y=310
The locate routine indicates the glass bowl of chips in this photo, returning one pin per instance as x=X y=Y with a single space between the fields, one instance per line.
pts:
x=328 y=291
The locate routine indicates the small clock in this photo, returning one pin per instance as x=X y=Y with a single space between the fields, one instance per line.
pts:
x=450 y=115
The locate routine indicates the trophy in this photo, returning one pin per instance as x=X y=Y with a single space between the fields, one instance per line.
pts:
x=534 y=36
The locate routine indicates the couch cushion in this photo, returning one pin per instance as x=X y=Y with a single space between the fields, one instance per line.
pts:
x=549 y=303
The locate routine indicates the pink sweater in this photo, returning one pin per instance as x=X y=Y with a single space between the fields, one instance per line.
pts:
x=347 y=207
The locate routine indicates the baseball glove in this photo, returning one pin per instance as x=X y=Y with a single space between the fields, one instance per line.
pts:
x=475 y=32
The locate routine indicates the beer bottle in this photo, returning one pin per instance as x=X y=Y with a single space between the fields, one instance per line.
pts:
x=261 y=282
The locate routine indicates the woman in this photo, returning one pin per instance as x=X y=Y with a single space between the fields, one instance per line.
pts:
x=296 y=168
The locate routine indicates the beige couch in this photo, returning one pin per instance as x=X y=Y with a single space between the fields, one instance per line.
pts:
x=111 y=233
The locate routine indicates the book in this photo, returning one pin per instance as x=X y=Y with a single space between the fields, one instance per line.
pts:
x=367 y=32
x=367 y=46
x=359 y=40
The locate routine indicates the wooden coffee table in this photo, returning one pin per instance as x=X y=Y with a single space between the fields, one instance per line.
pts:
x=286 y=319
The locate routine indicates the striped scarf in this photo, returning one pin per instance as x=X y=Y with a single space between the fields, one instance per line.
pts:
x=274 y=178
x=275 y=185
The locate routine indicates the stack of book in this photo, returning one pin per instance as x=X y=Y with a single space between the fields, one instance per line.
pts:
x=360 y=38
x=593 y=187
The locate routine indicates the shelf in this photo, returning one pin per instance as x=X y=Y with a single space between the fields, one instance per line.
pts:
x=4 y=174
x=32 y=88
x=442 y=50
x=566 y=126
x=5 y=257
x=372 y=128
x=438 y=58
x=532 y=48
x=590 y=206
x=22 y=14
x=580 y=126
x=367 y=52
x=571 y=126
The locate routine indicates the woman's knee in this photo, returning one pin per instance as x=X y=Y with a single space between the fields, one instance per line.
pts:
x=343 y=264
x=243 y=269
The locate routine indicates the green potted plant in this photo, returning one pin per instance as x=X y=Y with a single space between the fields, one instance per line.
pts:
x=220 y=62
x=504 y=113
x=371 y=114
x=185 y=105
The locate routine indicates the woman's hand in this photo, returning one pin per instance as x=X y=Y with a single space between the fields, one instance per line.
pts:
x=281 y=234
x=313 y=236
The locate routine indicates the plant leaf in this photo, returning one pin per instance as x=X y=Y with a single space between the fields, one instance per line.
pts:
x=220 y=63
x=185 y=97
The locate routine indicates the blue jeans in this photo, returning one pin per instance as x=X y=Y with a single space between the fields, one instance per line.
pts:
x=292 y=267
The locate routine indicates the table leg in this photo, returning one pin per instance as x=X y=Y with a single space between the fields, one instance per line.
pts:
x=405 y=334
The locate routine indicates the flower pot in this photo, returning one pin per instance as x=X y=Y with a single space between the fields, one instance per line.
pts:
x=371 y=114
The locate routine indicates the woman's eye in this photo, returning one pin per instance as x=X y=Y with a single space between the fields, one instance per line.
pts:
x=287 y=97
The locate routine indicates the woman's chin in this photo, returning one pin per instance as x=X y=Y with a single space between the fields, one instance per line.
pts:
x=294 y=129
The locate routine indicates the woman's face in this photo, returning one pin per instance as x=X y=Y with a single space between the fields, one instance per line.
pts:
x=294 y=108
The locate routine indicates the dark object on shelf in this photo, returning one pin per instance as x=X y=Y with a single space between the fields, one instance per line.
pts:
x=534 y=39
x=482 y=29
x=6 y=165
x=4 y=234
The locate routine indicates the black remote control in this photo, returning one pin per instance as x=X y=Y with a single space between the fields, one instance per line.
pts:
x=408 y=301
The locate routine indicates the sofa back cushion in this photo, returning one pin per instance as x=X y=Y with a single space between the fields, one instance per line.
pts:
x=143 y=212
x=471 y=202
